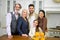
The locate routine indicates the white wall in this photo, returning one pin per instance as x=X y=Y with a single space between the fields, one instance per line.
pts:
x=50 y=5
x=11 y=5
x=3 y=12
x=24 y=3
x=53 y=20
x=0 y=13
x=53 y=16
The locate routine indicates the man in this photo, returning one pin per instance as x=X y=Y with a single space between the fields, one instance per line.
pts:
x=11 y=21
x=32 y=17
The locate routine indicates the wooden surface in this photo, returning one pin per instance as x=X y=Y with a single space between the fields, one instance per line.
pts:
x=15 y=38
x=23 y=38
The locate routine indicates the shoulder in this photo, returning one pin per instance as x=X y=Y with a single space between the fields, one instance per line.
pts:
x=45 y=18
x=36 y=15
x=8 y=15
x=20 y=18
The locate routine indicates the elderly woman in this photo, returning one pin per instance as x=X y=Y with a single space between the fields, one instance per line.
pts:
x=23 y=25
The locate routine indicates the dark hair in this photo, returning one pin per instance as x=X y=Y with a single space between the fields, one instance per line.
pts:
x=37 y=29
x=18 y=4
x=35 y=20
x=43 y=12
x=31 y=5
x=39 y=17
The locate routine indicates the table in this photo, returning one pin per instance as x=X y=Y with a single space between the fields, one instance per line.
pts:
x=4 y=37
x=15 y=37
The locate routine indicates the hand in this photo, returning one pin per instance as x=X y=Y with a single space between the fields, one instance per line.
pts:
x=25 y=35
x=10 y=36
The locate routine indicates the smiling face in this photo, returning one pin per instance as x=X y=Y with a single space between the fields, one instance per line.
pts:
x=24 y=13
x=17 y=7
x=31 y=9
x=35 y=22
x=41 y=14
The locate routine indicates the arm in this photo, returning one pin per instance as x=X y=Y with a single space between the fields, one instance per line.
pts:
x=8 y=22
x=19 y=26
x=45 y=24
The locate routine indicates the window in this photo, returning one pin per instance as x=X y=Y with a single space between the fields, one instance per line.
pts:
x=14 y=2
x=34 y=2
x=8 y=6
x=40 y=5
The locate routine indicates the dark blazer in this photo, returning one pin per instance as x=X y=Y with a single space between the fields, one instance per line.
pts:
x=23 y=26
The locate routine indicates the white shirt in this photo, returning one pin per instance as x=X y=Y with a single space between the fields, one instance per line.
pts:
x=32 y=32
x=8 y=22
x=31 y=19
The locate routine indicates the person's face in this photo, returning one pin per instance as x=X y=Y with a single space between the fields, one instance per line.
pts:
x=17 y=7
x=41 y=14
x=35 y=23
x=24 y=13
x=31 y=9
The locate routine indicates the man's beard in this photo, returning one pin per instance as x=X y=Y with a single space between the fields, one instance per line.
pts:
x=32 y=12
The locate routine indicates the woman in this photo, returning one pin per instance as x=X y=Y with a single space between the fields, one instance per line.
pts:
x=42 y=21
x=35 y=28
x=23 y=25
